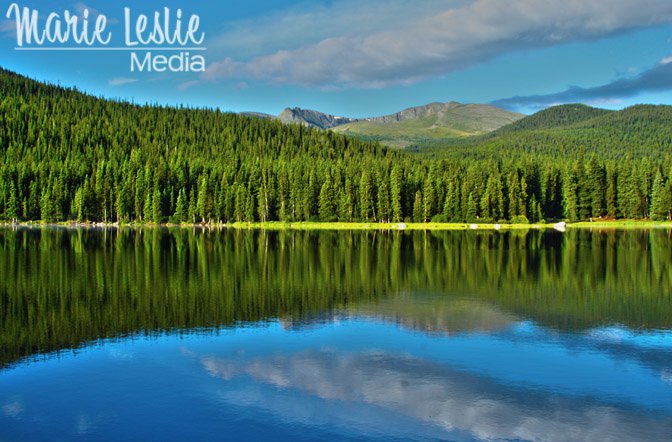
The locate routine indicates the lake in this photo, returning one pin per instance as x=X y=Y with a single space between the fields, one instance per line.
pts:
x=173 y=334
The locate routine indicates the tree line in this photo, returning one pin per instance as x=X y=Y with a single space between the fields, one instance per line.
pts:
x=66 y=155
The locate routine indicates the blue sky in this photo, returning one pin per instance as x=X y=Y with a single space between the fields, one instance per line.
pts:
x=373 y=57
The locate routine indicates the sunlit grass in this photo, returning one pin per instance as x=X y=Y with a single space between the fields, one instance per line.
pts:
x=313 y=225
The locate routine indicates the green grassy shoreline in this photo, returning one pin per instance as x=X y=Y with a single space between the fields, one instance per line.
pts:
x=277 y=225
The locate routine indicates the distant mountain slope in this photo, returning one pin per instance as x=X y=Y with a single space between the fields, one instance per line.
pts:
x=635 y=118
x=555 y=117
x=434 y=121
x=259 y=115
x=415 y=125
x=569 y=130
x=467 y=117
x=312 y=118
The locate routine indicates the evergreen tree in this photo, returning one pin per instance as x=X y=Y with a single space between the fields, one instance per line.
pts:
x=429 y=194
x=487 y=205
x=266 y=198
x=204 y=200
x=570 y=196
x=418 y=208
x=192 y=207
x=346 y=209
x=239 y=212
x=523 y=198
x=514 y=200
x=472 y=209
x=535 y=211
x=250 y=208
x=284 y=202
x=451 y=207
x=221 y=200
x=366 y=197
x=327 y=207
x=584 y=200
x=661 y=199
x=157 y=206
x=181 y=210
x=78 y=204
x=611 y=197
x=147 y=208
x=631 y=197
x=139 y=201
x=597 y=185
x=396 y=189
x=13 y=203
x=384 y=206
x=47 y=210
x=123 y=202
x=310 y=203
x=492 y=201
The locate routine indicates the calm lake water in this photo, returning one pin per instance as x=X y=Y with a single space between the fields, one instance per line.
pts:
x=210 y=335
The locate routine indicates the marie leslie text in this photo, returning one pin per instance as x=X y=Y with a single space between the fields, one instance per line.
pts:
x=164 y=40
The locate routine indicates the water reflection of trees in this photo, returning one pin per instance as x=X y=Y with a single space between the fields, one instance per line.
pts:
x=60 y=288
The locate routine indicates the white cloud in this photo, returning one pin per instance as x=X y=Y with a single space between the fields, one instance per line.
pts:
x=404 y=47
x=120 y=81
x=605 y=102
x=306 y=23
x=187 y=84
x=8 y=28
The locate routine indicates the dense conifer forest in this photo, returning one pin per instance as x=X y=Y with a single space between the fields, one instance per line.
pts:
x=65 y=155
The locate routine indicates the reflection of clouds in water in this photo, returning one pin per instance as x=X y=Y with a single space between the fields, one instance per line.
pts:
x=12 y=409
x=439 y=395
x=222 y=370
x=651 y=349
x=607 y=334
x=186 y=351
x=666 y=376
x=660 y=339
x=120 y=355
x=86 y=423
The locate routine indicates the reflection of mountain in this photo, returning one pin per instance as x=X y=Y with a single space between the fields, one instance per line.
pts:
x=437 y=314
x=453 y=400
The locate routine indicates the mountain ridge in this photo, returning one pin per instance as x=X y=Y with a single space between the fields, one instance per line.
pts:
x=413 y=125
x=313 y=118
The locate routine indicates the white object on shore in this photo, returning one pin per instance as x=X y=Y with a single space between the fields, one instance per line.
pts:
x=497 y=226
x=560 y=227
x=401 y=226
x=473 y=226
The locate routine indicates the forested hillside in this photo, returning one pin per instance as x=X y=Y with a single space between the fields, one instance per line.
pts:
x=69 y=156
x=553 y=118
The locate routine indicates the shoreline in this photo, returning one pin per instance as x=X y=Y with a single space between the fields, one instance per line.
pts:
x=335 y=226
